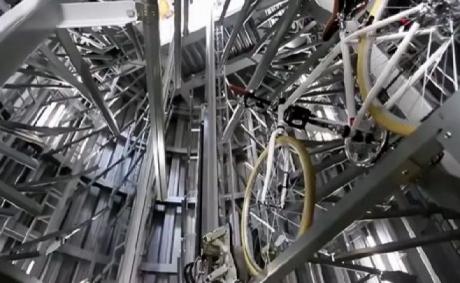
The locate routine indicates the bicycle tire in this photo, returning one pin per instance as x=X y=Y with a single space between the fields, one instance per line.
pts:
x=309 y=199
x=381 y=115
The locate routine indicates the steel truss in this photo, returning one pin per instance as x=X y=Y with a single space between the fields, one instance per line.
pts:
x=112 y=168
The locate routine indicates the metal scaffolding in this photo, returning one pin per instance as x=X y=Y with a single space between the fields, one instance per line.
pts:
x=128 y=131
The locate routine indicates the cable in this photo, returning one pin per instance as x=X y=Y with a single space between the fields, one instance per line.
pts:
x=187 y=272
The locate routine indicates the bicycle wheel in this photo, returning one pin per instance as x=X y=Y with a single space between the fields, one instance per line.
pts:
x=268 y=228
x=425 y=74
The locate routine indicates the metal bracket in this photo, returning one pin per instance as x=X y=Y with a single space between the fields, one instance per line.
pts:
x=409 y=171
x=217 y=233
x=218 y=255
x=93 y=14
x=413 y=168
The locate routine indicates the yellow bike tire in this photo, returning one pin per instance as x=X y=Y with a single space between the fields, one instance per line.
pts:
x=309 y=199
x=382 y=116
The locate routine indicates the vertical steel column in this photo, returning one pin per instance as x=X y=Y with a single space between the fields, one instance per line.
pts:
x=153 y=74
x=138 y=218
x=155 y=150
x=210 y=189
x=199 y=185
x=186 y=16
x=178 y=43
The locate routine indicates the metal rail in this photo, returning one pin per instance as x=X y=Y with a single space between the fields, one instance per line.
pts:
x=155 y=150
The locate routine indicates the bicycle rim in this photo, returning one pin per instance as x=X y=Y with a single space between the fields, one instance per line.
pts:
x=421 y=97
x=308 y=202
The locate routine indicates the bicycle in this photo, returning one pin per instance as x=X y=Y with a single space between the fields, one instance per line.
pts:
x=280 y=193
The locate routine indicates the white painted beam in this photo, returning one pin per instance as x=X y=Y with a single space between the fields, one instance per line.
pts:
x=91 y=14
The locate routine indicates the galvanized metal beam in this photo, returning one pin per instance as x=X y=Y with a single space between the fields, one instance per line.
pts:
x=161 y=268
x=140 y=210
x=12 y=273
x=30 y=186
x=167 y=251
x=178 y=43
x=86 y=255
x=155 y=150
x=96 y=14
x=330 y=146
x=4 y=6
x=27 y=250
x=307 y=65
x=352 y=267
x=242 y=17
x=8 y=211
x=186 y=16
x=272 y=49
x=210 y=186
x=412 y=211
x=11 y=126
x=18 y=156
x=234 y=65
x=132 y=34
x=262 y=67
x=58 y=68
x=83 y=69
x=57 y=217
x=23 y=86
x=154 y=88
x=224 y=10
x=399 y=245
x=330 y=161
x=337 y=182
x=271 y=15
x=26 y=25
x=22 y=29
x=23 y=202
x=390 y=276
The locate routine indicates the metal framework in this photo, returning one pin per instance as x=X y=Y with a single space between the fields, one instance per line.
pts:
x=121 y=146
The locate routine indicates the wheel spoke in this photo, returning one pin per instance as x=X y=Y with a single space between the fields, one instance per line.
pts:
x=275 y=226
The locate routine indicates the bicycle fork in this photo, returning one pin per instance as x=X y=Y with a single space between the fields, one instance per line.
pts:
x=270 y=155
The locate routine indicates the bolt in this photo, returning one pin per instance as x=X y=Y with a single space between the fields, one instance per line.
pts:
x=447 y=135
x=130 y=13
x=405 y=172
